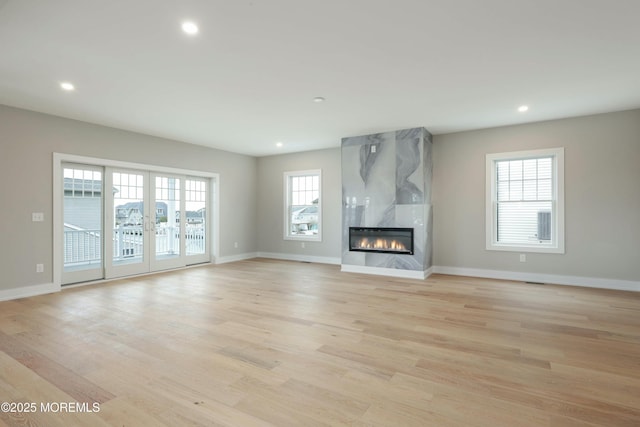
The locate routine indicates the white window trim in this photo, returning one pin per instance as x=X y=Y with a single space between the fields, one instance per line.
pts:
x=557 y=242
x=287 y=196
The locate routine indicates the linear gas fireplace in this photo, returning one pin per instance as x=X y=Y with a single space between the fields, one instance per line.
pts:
x=381 y=240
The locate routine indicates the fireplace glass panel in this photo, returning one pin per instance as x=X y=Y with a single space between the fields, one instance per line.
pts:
x=382 y=240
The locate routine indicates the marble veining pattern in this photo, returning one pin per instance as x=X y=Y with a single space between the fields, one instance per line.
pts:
x=387 y=183
x=408 y=161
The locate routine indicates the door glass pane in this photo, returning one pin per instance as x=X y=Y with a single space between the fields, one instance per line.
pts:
x=196 y=218
x=167 y=225
x=128 y=218
x=82 y=235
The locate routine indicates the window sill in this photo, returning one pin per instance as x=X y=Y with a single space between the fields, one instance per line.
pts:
x=304 y=238
x=526 y=248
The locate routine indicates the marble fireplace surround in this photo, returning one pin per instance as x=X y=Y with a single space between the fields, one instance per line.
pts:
x=386 y=182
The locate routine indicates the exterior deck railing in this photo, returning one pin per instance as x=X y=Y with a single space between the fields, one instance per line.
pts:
x=85 y=246
x=82 y=247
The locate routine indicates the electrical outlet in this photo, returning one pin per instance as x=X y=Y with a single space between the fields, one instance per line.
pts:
x=373 y=148
x=37 y=217
x=302 y=245
x=523 y=258
x=39 y=268
x=235 y=245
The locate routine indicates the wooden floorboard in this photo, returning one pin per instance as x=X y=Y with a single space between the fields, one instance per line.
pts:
x=276 y=343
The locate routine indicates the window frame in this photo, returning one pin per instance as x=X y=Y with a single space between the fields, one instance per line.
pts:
x=287 y=205
x=556 y=244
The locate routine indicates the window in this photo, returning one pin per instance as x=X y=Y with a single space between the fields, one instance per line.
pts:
x=525 y=201
x=196 y=216
x=82 y=183
x=302 y=205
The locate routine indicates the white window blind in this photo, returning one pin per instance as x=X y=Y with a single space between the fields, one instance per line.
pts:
x=524 y=196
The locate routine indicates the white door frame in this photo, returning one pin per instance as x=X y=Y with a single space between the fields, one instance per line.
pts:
x=213 y=204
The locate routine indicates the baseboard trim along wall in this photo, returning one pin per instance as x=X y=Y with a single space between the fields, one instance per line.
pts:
x=552 y=279
x=379 y=271
x=302 y=258
x=28 y=291
x=234 y=258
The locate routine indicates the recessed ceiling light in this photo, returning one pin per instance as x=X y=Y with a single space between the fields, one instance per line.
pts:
x=67 y=86
x=190 y=28
x=318 y=99
x=279 y=144
x=523 y=108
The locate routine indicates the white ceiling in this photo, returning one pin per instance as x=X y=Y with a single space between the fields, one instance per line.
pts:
x=247 y=80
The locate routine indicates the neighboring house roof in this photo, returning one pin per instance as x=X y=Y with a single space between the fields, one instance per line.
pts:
x=71 y=184
x=128 y=207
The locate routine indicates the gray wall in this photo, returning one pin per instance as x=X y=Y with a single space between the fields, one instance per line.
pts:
x=602 y=202
x=602 y=183
x=27 y=141
x=602 y=196
x=271 y=202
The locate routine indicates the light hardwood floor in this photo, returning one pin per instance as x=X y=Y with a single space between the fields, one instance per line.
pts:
x=265 y=342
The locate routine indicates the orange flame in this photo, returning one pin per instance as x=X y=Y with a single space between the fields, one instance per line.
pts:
x=380 y=243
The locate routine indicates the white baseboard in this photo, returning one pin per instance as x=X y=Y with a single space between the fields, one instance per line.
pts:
x=234 y=258
x=428 y=272
x=303 y=258
x=555 y=279
x=379 y=271
x=28 y=291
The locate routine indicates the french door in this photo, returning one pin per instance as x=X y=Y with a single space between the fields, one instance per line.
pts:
x=121 y=222
x=127 y=222
x=167 y=244
x=82 y=216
